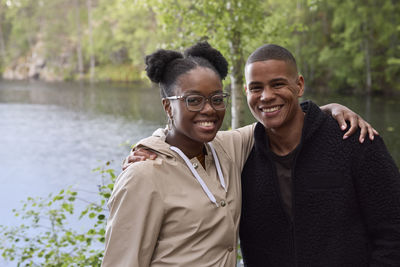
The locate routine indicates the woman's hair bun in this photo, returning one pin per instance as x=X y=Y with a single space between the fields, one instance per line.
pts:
x=205 y=50
x=157 y=62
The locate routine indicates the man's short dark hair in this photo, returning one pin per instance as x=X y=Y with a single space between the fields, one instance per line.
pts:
x=272 y=51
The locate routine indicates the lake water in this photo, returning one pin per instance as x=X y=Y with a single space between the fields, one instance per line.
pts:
x=53 y=134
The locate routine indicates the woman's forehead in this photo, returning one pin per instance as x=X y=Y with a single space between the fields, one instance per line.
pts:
x=200 y=79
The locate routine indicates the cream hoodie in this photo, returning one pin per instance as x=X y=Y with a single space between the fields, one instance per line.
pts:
x=160 y=215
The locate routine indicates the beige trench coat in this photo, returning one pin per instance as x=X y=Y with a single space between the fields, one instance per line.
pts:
x=160 y=215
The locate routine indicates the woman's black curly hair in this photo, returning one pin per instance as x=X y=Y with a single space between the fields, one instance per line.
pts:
x=165 y=66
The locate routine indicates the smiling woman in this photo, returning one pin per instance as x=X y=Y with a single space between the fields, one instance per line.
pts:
x=183 y=208
x=195 y=122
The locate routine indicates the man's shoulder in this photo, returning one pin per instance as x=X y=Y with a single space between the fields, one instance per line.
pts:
x=330 y=130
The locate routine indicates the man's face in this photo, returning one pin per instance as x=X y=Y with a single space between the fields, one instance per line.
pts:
x=273 y=88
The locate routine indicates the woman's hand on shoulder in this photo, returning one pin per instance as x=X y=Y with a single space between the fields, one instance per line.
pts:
x=342 y=114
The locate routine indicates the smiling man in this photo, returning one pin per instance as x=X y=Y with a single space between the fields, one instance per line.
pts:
x=308 y=197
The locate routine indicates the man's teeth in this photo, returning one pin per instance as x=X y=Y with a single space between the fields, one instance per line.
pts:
x=270 y=109
x=206 y=123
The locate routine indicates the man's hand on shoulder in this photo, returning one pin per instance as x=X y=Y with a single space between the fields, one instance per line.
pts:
x=136 y=155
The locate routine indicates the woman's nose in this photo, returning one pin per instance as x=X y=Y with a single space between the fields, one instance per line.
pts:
x=207 y=108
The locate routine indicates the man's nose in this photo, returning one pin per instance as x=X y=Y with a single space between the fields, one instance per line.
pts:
x=267 y=93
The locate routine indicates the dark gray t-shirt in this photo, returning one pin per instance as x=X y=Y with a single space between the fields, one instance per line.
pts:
x=283 y=166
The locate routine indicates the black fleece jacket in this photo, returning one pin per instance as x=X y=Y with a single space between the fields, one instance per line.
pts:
x=346 y=202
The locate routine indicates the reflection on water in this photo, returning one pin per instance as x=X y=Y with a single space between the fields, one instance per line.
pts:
x=128 y=101
x=54 y=134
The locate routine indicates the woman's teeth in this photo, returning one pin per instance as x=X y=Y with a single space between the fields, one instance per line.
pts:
x=206 y=123
x=270 y=109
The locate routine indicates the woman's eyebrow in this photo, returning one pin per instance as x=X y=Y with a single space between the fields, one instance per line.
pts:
x=190 y=91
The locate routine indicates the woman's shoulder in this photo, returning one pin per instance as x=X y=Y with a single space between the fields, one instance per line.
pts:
x=242 y=133
x=143 y=173
x=236 y=143
x=139 y=183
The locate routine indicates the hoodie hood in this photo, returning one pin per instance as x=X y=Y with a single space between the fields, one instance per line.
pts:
x=156 y=142
x=313 y=119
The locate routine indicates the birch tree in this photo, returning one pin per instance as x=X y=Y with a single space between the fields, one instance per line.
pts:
x=229 y=26
x=90 y=36
x=79 y=39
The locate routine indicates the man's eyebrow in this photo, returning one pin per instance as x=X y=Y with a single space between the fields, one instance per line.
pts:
x=280 y=79
x=255 y=83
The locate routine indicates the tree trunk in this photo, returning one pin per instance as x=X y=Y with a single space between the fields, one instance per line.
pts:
x=79 y=39
x=92 y=59
x=2 y=42
x=299 y=34
x=367 y=55
x=2 y=45
x=368 y=68
x=236 y=70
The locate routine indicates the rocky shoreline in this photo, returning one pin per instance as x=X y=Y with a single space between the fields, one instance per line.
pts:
x=36 y=66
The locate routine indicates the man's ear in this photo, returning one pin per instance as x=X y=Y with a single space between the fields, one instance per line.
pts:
x=245 y=89
x=300 y=84
x=167 y=107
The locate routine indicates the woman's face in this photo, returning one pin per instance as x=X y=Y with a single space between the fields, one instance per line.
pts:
x=195 y=127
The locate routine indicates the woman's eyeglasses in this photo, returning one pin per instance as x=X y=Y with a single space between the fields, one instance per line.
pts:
x=196 y=102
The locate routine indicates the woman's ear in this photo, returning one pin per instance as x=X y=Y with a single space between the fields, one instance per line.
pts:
x=167 y=107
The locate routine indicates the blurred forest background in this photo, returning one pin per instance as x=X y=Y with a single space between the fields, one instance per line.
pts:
x=81 y=96
x=346 y=46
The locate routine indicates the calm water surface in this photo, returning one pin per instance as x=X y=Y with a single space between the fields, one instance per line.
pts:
x=53 y=134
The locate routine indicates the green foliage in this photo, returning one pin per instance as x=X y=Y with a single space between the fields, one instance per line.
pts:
x=347 y=46
x=118 y=73
x=225 y=24
x=21 y=19
x=394 y=61
x=124 y=32
x=355 y=44
x=46 y=237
